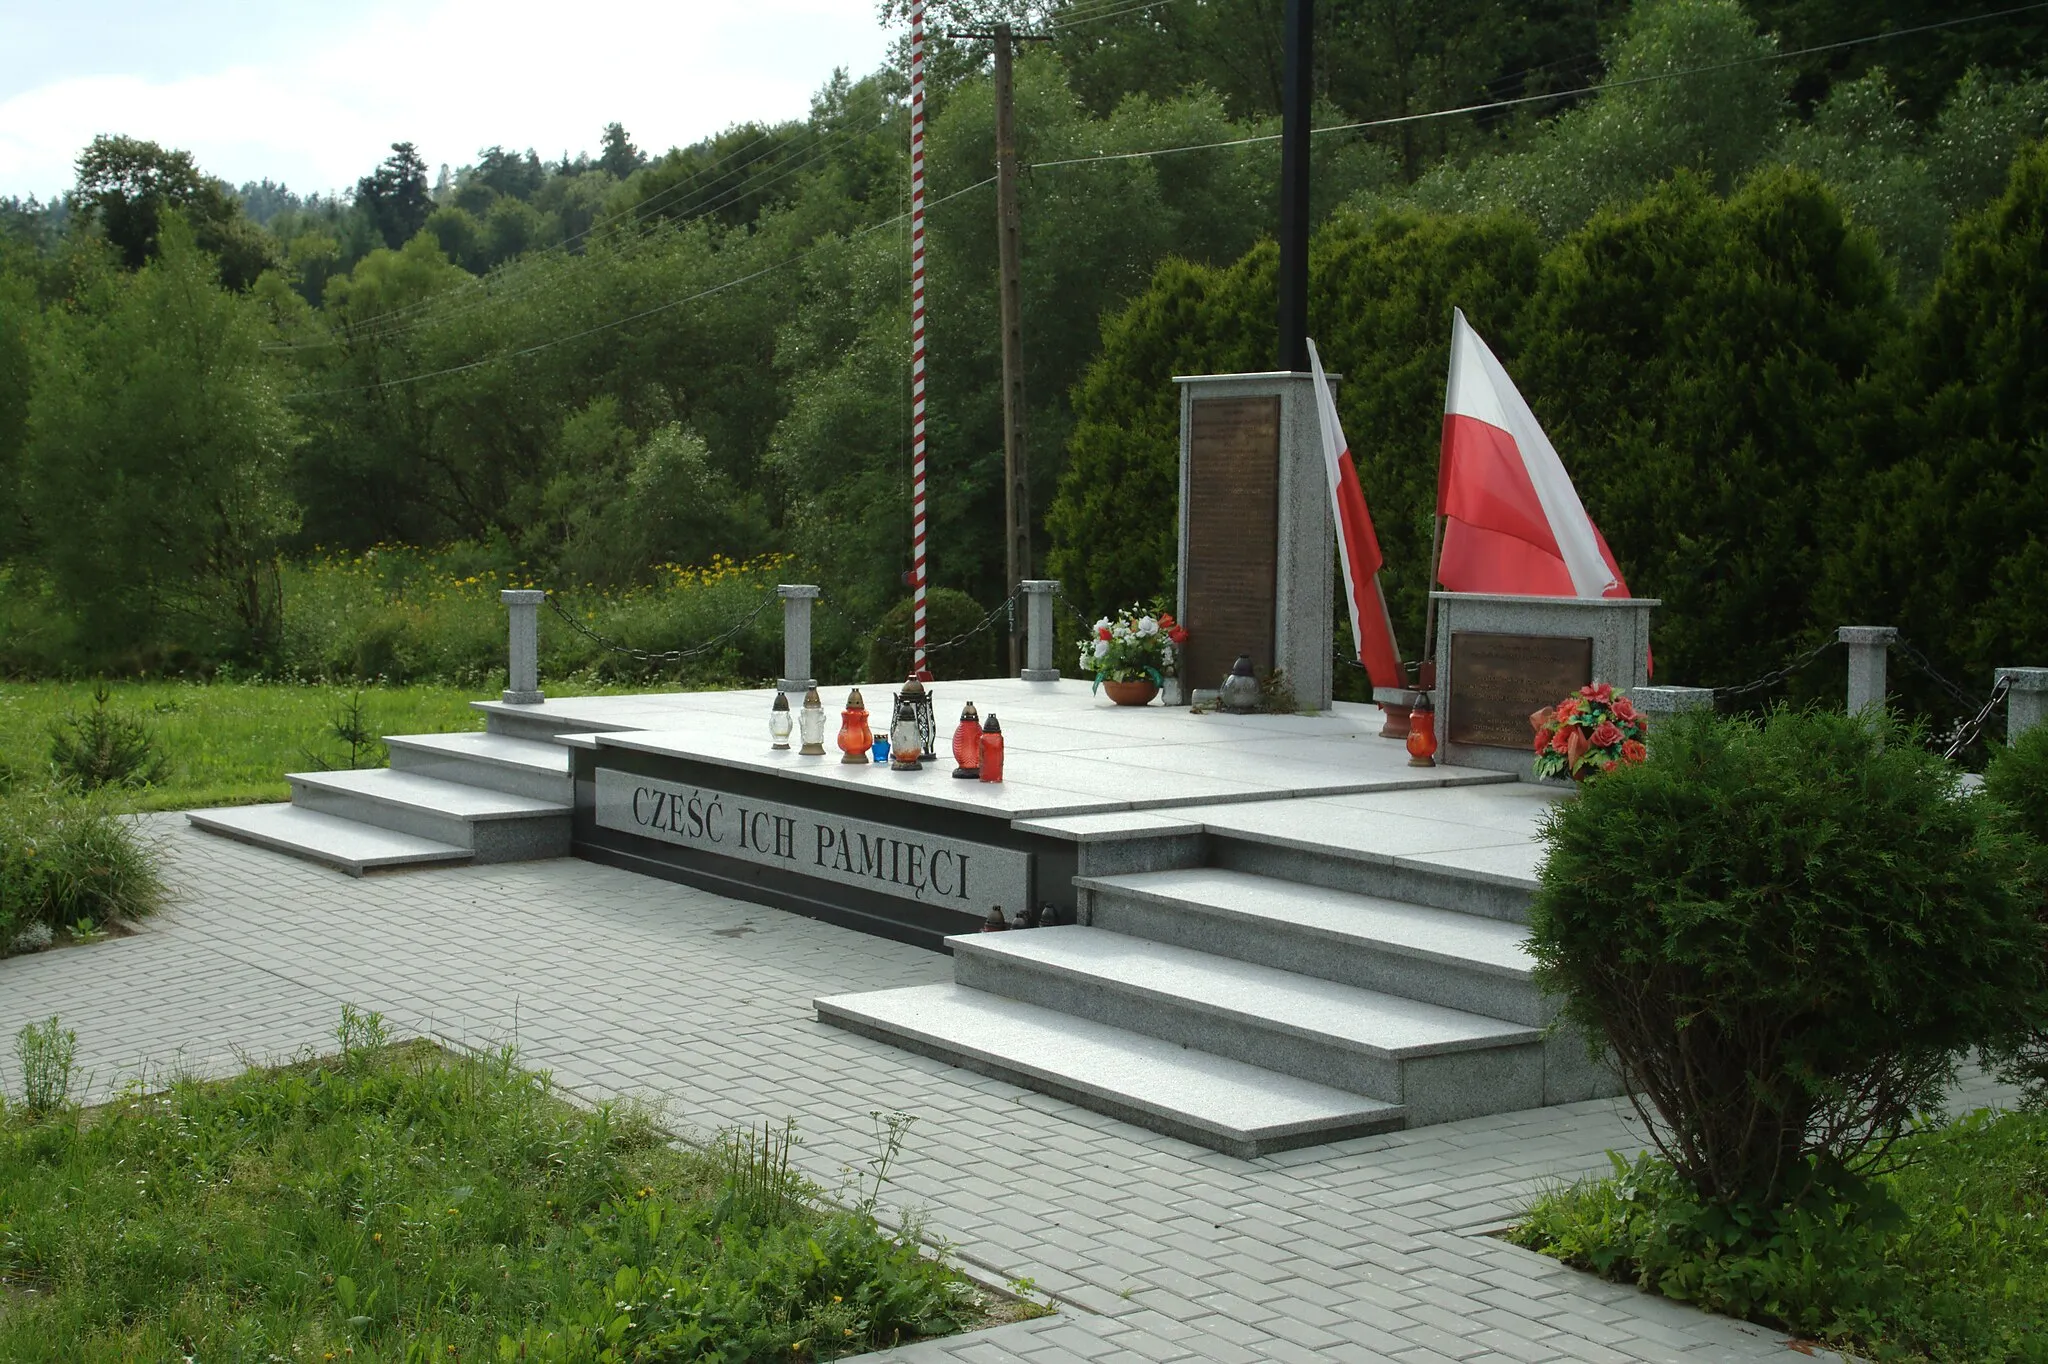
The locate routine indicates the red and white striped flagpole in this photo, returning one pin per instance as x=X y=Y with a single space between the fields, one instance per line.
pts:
x=917 y=567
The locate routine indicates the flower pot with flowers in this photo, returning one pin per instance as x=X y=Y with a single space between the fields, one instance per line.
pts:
x=1132 y=656
x=1596 y=729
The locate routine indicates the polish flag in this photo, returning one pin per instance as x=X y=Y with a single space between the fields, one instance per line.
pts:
x=1358 y=547
x=1513 y=523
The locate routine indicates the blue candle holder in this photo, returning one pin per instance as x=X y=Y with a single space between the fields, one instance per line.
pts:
x=881 y=748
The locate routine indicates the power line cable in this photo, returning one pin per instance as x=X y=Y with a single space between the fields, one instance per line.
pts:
x=1596 y=89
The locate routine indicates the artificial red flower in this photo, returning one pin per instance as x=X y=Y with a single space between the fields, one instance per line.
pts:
x=1624 y=709
x=1609 y=766
x=1566 y=709
x=1560 y=742
x=1606 y=736
x=1633 y=752
x=1177 y=635
x=1102 y=632
x=1599 y=691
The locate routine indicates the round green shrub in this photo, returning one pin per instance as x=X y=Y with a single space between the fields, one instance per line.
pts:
x=1788 y=931
x=949 y=614
x=2017 y=778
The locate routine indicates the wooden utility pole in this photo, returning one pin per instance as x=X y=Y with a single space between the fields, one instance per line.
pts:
x=1010 y=250
x=1010 y=257
x=1297 y=102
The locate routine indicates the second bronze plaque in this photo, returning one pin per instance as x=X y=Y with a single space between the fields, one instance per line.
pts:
x=1233 y=535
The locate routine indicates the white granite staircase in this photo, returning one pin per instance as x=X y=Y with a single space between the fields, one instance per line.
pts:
x=446 y=799
x=1251 y=1013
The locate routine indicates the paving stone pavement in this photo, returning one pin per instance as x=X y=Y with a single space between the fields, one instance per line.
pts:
x=1369 y=1249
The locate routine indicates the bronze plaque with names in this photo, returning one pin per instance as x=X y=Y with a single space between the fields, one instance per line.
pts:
x=1233 y=535
x=1498 y=681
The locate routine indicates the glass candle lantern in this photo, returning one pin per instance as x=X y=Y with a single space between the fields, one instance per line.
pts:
x=780 y=721
x=920 y=698
x=905 y=747
x=992 y=749
x=967 y=745
x=810 y=725
x=1239 y=693
x=1422 y=735
x=854 y=737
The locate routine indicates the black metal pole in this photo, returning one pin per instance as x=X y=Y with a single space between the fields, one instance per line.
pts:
x=1296 y=101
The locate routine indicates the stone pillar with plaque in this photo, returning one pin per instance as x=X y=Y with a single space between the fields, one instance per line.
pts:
x=1257 y=544
x=1499 y=659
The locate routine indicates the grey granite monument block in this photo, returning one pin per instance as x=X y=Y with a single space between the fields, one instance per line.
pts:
x=1501 y=658
x=2026 y=700
x=1038 y=630
x=796 y=636
x=1258 y=548
x=522 y=674
x=1661 y=703
x=1867 y=646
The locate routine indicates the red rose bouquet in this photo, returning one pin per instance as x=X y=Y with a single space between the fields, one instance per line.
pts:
x=1593 y=730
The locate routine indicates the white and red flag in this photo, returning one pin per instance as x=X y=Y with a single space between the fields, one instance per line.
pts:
x=1358 y=547
x=1513 y=522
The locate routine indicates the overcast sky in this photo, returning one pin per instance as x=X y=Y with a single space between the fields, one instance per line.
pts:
x=314 y=95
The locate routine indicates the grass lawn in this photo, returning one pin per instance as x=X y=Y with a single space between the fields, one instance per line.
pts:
x=1944 y=1259
x=397 y=1202
x=229 y=743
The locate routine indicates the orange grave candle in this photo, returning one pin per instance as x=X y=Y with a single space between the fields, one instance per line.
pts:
x=992 y=750
x=854 y=736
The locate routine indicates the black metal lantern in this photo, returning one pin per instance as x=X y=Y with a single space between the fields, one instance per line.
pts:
x=920 y=701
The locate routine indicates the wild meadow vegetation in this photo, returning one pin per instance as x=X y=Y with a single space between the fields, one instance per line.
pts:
x=394 y=1201
x=1790 y=933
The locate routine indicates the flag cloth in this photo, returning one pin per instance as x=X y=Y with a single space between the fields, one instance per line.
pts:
x=1358 y=546
x=1513 y=522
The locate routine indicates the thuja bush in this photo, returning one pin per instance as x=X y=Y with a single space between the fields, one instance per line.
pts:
x=1788 y=931
x=2016 y=779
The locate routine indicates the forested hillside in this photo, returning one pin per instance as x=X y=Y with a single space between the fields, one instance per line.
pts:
x=1777 y=290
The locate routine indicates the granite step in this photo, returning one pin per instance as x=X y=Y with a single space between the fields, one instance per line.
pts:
x=1410 y=880
x=497 y=762
x=1440 y=1064
x=1439 y=956
x=495 y=825
x=342 y=843
x=1210 y=1100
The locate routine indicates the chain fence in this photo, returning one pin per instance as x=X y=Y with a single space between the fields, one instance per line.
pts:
x=667 y=656
x=1005 y=610
x=1966 y=732
x=1775 y=676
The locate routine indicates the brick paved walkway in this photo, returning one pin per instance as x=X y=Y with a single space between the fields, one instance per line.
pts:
x=1372 y=1249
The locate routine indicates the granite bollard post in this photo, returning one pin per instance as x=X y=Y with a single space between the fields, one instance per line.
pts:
x=1867 y=647
x=796 y=637
x=2026 y=700
x=1658 y=704
x=1038 y=630
x=522 y=674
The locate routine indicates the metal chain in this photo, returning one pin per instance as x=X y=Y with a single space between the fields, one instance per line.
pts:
x=1776 y=675
x=1005 y=608
x=1919 y=660
x=667 y=656
x=1965 y=732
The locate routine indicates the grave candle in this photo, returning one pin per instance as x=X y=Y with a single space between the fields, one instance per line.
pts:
x=811 y=724
x=780 y=720
x=967 y=745
x=992 y=750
